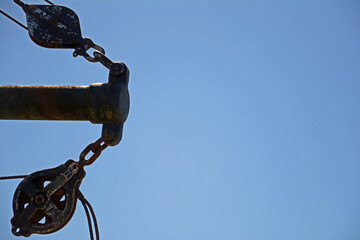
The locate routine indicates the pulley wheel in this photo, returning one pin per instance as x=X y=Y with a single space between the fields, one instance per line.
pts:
x=45 y=201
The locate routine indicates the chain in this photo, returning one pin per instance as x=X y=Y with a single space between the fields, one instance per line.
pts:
x=87 y=43
x=116 y=69
x=95 y=147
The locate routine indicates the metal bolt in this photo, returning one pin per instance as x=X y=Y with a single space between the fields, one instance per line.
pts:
x=40 y=199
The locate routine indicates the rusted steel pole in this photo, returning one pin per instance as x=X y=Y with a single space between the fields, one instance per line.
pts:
x=98 y=103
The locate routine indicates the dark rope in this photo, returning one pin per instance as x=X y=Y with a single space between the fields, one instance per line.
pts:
x=13 y=19
x=88 y=218
x=94 y=219
x=13 y=177
x=88 y=206
x=49 y=2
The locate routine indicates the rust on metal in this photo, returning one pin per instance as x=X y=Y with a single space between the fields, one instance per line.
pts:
x=98 y=103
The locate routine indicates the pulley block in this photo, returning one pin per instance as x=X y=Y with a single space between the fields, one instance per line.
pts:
x=45 y=201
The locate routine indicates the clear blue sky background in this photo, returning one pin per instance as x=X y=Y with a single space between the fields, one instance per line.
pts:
x=244 y=120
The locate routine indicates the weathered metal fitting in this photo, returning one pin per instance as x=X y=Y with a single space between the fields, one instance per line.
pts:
x=109 y=102
x=113 y=129
x=119 y=74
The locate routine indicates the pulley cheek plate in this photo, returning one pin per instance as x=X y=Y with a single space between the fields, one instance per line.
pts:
x=45 y=201
x=53 y=26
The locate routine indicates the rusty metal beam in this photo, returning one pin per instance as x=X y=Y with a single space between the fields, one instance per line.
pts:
x=98 y=103
x=106 y=103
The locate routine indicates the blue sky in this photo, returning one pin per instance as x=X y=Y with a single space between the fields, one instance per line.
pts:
x=244 y=119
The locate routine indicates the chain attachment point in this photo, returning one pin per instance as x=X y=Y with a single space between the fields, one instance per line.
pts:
x=86 y=45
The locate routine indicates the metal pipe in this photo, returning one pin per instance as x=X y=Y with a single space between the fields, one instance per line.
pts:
x=98 y=103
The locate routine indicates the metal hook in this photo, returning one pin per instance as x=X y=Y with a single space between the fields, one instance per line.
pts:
x=81 y=50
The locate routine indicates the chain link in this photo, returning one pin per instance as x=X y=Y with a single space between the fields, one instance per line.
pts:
x=81 y=50
x=95 y=147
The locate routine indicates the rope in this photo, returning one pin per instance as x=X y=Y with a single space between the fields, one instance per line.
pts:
x=94 y=219
x=88 y=206
x=88 y=218
x=13 y=19
x=13 y=177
